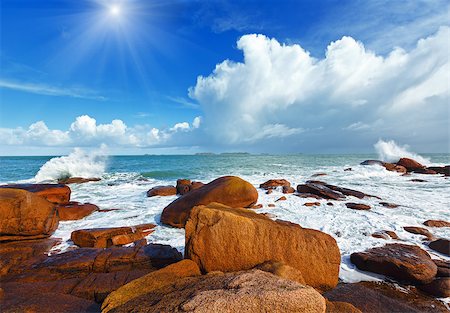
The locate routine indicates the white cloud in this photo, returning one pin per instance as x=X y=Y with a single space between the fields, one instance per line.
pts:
x=283 y=85
x=85 y=131
x=197 y=121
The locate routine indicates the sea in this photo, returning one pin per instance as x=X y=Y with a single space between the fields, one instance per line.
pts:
x=126 y=179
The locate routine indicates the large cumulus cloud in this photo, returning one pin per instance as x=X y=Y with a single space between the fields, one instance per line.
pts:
x=351 y=96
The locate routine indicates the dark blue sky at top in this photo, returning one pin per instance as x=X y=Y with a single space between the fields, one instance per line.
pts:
x=141 y=75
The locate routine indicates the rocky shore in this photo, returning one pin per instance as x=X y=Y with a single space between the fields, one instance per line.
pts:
x=235 y=260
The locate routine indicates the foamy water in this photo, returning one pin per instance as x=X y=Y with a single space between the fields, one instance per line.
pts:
x=125 y=182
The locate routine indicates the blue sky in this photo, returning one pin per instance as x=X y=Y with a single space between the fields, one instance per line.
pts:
x=69 y=69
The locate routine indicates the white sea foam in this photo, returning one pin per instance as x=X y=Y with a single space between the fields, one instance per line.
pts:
x=79 y=163
x=390 y=151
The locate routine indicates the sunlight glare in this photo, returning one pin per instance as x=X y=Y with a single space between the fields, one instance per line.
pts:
x=114 y=10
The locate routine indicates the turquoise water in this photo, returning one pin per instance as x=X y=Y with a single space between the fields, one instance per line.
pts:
x=169 y=167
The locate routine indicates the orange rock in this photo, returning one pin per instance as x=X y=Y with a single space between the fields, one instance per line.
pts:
x=229 y=190
x=150 y=282
x=253 y=239
x=55 y=193
x=436 y=223
x=419 y=231
x=162 y=191
x=282 y=270
x=75 y=210
x=410 y=164
x=400 y=261
x=385 y=234
x=341 y=307
x=107 y=237
x=271 y=205
x=311 y=204
x=357 y=206
x=439 y=287
x=288 y=189
x=183 y=186
x=281 y=199
x=274 y=183
x=441 y=245
x=25 y=215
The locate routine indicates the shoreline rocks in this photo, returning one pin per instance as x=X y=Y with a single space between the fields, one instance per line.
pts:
x=78 y=180
x=162 y=191
x=55 y=193
x=75 y=210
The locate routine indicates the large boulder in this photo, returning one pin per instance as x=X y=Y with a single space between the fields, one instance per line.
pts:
x=253 y=291
x=55 y=193
x=403 y=262
x=75 y=210
x=162 y=191
x=228 y=190
x=439 y=287
x=107 y=237
x=220 y=238
x=150 y=282
x=25 y=215
x=410 y=164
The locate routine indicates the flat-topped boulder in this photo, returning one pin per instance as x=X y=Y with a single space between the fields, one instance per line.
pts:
x=107 y=237
x=400 y=261
x=55 y=193
x=228 y=190
x=78 y=180
x=274 y=183
x=247 y=291
x=150 y=282
x=162 y=191
x=75 y=210
x=221 y=238
x=25 y=215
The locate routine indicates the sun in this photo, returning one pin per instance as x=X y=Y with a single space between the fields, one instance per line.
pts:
x=115 y=10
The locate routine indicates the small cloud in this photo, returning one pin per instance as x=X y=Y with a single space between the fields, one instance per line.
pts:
x=196 y=122
x=184 y=102
x=142 y=115
x=357 y=126
x=47 y=90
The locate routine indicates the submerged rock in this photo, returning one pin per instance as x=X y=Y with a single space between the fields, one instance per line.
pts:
x=252 y=239
x=107 y=237
x=25 y=215
x=357 y=206
x=419 y=231
x=400 y=261
x=320 y=190
x=75 y=210
x=288 y=189
x=249 y=291
x=385 y=234
x=78 y=180
x=228 y=190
